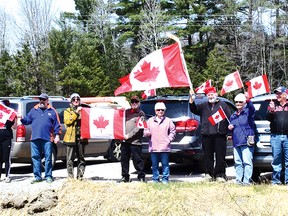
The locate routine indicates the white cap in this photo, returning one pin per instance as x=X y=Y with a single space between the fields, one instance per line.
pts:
x=240 y=97
x=160 y=105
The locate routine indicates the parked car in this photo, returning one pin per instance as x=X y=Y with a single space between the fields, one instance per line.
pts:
x=187 y=145
x=21 y=152
x=263 y=152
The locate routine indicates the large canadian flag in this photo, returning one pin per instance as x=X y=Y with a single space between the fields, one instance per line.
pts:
x=102 y=123
x=203 y=86
x=217 y=117
x=161 y=68
x=6 y=113
x=147 y=93
x=231 y=82
x=257 y=86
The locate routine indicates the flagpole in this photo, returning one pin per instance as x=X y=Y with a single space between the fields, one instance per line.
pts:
x=173 y=37
x=225 y=115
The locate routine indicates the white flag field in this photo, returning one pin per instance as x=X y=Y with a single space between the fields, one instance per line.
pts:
x=231 y=82
x=257 y=86
x=6 y=113
x=217 y=116
x=102 y=123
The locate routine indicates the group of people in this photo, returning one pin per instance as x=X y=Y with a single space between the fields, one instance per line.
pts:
x=238 y=127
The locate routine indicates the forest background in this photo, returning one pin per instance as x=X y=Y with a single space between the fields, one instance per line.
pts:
x=89 y=50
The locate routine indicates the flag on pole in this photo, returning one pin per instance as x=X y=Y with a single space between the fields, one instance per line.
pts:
x=147 y=93
x=217 y=117
x=102 y=123
x=257 y=86
x=203 y=86
x=161 y=68
x=6 y=113
x=141 y=123
x=231 y=82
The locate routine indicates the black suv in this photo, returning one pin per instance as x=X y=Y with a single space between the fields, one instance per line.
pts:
x=187 y=145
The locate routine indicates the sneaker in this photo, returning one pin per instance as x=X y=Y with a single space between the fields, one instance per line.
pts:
x=220 y=179
x=7 y=180
x=36 y=181
x=208 y=178
x=49 y=180
x=165 y=182
x=125 y=180
x=142 y=180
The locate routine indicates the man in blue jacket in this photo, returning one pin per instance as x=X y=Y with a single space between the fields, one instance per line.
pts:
x=45 y=124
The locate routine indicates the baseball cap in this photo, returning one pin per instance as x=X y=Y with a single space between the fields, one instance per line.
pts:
x=160 y=105
x=44 y=96
x=240 y=97
x=134 y=98
x=280 y=89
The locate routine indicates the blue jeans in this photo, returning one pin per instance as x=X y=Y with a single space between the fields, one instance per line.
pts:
x=279 y=144
x=37 y=147
x=162 y=157
x=243 y=158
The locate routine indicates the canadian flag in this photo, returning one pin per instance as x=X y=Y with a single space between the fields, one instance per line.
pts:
x=217 y=117
x=147 y=93
x=6 y=113
x=203 y=86
x=231 y=82
x=102 y=123
x=141 y=123
x=258 y=85
x=161 y=68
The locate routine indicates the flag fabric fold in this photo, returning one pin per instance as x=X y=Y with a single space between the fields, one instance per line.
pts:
x=231 y=82
x=6 y=113
x=102 y=123
x=148 y=93
x=217 y=116
x=161 y=68
x=203 y=86
x=257 y=86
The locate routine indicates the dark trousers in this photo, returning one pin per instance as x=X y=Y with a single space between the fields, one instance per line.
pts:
x=215 y=144
x=77 y=150
x=128 y=150
x=5 y=148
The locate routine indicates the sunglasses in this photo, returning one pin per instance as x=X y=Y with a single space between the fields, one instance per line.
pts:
x=239 y=102
x=42 y=99
x=160 y=110
x=134 y=102
x=75 y=99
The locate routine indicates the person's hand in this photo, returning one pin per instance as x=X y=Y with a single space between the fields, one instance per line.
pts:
x=191 y=92
x=19 y=115
x=78 y=109
x=271 y=107
x=125 y=137
x=56 y=139
x=229 y=137
x=230 y=127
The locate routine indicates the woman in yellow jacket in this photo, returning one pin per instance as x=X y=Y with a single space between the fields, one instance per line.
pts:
x=75 y=145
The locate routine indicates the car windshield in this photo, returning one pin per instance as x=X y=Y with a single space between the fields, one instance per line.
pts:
x=174 y=109
x=261 y=109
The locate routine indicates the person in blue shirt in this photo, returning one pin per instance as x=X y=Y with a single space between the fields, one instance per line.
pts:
x=45 y=125
x=242 y=127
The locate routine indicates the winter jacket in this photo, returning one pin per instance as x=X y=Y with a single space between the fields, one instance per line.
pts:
x=244 y=124
x=161 y=134
x=278 y=118
x=72 y=125
x=134 y=133
x=205 y=110
x=45 y=123
x=7 y=133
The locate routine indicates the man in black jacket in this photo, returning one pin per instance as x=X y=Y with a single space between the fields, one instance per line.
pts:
x=213 y=137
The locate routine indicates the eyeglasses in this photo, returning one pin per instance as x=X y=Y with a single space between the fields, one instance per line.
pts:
x=42 y=99
x=75 y=99
x=160 y=110
x=239 y=102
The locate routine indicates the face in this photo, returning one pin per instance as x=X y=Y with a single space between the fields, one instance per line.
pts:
x=281 y=96
x=159 y=112
x=75 y=101
x=135 y=104
x=43 y=103
x=239 y=104
x=212 y=97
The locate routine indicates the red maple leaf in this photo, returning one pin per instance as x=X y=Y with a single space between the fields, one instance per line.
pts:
x=229 y=83
x=1 y=115
x=146 y=74
x=257 y=85
x=217 y=116
x=101 y=123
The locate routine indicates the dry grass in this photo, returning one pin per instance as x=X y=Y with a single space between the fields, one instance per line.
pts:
x=90 y=198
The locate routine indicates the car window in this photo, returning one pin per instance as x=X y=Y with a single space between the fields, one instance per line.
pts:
x=261 y=109
x=14 y=106
x=60 y=106
x=30 y=105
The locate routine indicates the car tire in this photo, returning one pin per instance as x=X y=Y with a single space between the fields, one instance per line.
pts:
x=54 y=156
x=114 y=152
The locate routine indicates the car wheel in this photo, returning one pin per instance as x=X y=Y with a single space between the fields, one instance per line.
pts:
x=114 y=154
x=53 y=159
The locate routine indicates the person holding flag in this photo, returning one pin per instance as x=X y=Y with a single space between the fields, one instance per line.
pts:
x=242 y=127
x=213 y=135
x=6 y=134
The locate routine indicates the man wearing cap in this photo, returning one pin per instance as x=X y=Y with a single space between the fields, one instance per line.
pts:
x=213 y=137
x=132 y=144
x=72 y=140
x=277 y=114
x=45 y=124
